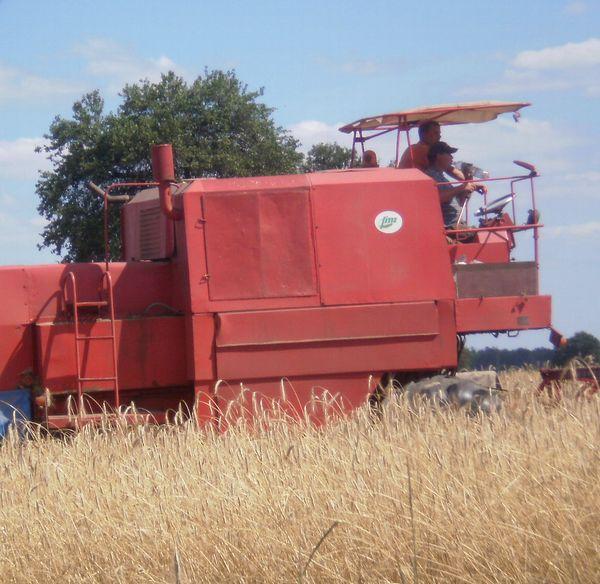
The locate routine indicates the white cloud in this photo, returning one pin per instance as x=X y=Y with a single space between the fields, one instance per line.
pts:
x=117 y=64
x=572 y=186
x=38 y=221
x=24 y=86
x=576 y=8
x=7 y=200
x=495 y=145
x=311 y=132
x=18 y=159
x=568 y=56
x=519 y=83
x=363 y=66
x=16 y=231
x=104 y=60
x=572 y=66
x=579 y=231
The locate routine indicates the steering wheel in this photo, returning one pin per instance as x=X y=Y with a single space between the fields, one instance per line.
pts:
x=495 y=206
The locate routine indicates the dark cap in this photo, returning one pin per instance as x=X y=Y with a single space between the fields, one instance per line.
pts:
x=440 y=148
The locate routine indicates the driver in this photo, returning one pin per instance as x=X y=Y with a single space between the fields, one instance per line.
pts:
x=451 y=197
x=415 y=156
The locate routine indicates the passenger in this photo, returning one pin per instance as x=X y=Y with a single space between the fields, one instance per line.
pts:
x=429 y=134
x=452 y=198
x=370 y=159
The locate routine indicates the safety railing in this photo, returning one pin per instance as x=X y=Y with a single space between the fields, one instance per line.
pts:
x=531 y=224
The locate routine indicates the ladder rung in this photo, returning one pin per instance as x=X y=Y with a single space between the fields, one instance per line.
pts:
x=97 y=378
x=98 y=303
x=99 y=337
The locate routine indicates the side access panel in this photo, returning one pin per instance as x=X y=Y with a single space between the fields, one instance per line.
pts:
x=259 y=244
x=380 y=238
x=335 y=340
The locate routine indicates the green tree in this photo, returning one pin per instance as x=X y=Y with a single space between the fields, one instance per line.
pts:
x=327 y=156
x=218 y=128
x=581 y=344
x=465 y=359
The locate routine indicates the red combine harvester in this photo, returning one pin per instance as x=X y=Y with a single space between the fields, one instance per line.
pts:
x=301 y=283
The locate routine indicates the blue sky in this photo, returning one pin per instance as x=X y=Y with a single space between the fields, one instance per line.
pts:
x=324 y=64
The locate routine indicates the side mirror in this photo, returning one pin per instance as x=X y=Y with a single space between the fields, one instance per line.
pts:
x=532 y=170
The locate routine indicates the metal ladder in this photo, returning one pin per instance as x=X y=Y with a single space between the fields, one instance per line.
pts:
x=108 y=303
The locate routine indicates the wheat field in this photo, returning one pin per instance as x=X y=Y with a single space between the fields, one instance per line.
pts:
x=418 y=496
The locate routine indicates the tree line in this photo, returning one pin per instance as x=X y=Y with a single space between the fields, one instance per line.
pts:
x=581 y=345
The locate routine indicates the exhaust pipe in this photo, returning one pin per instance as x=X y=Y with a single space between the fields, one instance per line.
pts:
x=163 y=170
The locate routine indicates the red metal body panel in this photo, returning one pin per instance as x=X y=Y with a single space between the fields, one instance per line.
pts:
x=474 y=315
x=299 y=397
x=16 y=353
x=259 y=244
x=331 y=324
x=359 y=263
x=200 y=342
x=489 y=249
x=191 y=241
x=16 y=338
x=151 y=353
x=336 y=341
x=35 y=294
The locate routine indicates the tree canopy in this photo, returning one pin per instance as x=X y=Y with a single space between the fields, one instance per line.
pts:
x=326 y=156
x=583 y=345
x=218 y=128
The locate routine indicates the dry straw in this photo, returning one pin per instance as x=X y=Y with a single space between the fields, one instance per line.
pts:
x=416 y=496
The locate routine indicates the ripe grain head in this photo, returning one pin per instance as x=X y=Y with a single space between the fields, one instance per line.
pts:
x=511 y=497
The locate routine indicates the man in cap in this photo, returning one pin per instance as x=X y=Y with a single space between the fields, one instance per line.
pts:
x=451 y=197
x=415 y=156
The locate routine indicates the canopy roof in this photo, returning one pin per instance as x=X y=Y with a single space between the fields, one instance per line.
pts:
x=455 y=113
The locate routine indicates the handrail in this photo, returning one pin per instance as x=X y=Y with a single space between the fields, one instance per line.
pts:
x=71 y=279
x=106 y=276
x=516 y=227
x=513 y=228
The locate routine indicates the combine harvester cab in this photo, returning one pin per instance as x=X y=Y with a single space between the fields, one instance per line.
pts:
x=234 y=293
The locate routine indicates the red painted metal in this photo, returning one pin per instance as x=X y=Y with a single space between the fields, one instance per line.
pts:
x=163 y=169
x=586 y=377
x=358 y=263
x=259 y=244
x=508 y=313
x=325 y=280
x=489 y=248
x=315 y=398
x=88 y=338
x=141 y=346
x=313 y=341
